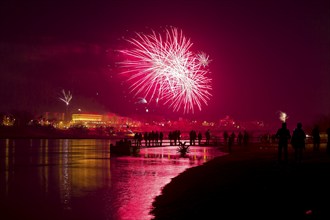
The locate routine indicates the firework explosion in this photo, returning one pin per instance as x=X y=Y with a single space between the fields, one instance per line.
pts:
x=163 y=69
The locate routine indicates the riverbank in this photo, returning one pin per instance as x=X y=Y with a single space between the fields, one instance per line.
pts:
x=250 y=183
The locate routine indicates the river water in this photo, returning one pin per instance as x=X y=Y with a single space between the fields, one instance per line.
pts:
x=79 y=179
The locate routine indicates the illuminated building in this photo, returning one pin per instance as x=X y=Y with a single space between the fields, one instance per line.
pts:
x=87 y=119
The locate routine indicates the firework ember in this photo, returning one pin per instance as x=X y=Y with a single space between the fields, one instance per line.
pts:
x=283 y=116
x=162 y=69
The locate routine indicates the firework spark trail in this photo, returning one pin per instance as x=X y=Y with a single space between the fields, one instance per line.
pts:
x=66 y=97
x=163 y=69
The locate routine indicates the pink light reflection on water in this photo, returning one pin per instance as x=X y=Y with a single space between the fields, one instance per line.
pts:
x=79 y=179
x=142 y=178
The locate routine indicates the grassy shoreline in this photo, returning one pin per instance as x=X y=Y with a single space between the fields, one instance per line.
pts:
x=250 y=183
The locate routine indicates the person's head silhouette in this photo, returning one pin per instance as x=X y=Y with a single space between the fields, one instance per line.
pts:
x=299 y=125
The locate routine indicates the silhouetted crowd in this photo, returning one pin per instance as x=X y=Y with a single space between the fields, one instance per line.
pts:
x=298 y=141
x=283 y=136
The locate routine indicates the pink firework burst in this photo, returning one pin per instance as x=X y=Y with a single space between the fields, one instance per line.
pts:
x=161 y=68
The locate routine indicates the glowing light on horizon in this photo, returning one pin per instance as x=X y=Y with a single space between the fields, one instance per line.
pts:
x=162 y=69
x=283 y=116
x=66 y=97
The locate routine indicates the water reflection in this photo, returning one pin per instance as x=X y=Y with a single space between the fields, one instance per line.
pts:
x=78 y=179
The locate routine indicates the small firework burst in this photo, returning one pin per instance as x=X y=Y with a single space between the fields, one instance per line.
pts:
x=66 y=97
x=203 y=59
x=283 y=116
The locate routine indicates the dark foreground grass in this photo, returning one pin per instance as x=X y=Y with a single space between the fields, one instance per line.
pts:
x=249 y=184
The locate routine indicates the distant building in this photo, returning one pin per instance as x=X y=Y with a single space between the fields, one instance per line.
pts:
x=87 y=119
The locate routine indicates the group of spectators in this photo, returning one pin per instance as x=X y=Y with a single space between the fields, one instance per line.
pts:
x=153 y=138
x=298 y=141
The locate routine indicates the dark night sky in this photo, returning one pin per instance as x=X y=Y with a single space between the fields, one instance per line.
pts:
x=266 y=55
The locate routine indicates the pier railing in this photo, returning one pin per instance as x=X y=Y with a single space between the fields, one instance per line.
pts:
x=214 y=141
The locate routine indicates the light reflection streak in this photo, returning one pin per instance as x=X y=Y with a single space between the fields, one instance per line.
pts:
x=9 y=161
x=94 y=164
x=7 y=166
x=65 y=177
x=46 y=178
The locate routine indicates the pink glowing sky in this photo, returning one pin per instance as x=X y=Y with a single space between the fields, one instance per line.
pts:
x=267 y=56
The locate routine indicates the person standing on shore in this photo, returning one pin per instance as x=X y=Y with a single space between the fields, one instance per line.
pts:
x=200 y=138
x=231 y=141
x=239 y=138
x=298 y=142
x=208 y=137
x=283 y=135
x=161 y=137
x=225 y=138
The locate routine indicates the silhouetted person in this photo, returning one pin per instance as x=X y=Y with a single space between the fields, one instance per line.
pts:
x=146 y=138
x=208 y=137
x=136 y=137
x=231 y=141
x=283 y=135
x=199 y=138
x=140 y=139
x=225 y=137
x=245 y=138
x=192 y=137
x=175 y=137
x=316 y=138
x=328 y=142
x=161 y=136
x=239 y=138
x=152 y=136
x=298 y=142
x=156 y=138
x=170 y=137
